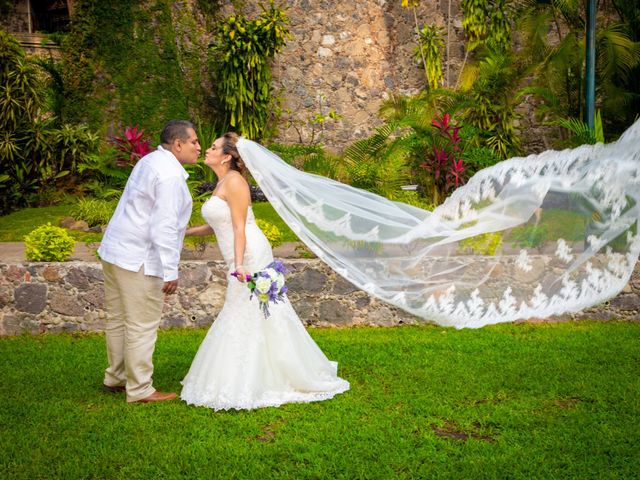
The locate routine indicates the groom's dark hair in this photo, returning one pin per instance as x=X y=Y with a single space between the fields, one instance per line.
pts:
x=175 y=129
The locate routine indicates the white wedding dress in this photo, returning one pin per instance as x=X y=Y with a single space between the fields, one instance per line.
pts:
x=248 y=361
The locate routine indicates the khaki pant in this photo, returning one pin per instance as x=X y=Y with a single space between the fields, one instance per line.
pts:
x=134 y=303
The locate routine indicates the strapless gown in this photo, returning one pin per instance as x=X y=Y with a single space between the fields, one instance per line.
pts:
x=248 y=361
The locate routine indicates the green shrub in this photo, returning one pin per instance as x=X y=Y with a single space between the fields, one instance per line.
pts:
x=532 y=236
x=411 y=197
x=93 y=211
x=48 y=243
x=273 y=233
x=484 y=244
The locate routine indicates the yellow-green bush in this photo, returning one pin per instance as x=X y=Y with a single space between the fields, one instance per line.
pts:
x=48 y=243
x=484 y=244
x=273 y=233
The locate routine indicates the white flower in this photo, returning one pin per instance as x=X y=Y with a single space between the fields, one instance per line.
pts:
x=272 y=273
x=263 y=285
x=279 y=280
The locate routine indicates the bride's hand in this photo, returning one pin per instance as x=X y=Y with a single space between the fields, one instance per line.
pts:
x=241 y=274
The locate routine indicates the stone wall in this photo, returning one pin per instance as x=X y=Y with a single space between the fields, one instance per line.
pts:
x=67 y=297
x=350 y=57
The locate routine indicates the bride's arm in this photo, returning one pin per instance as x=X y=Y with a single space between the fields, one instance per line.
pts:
x=199 y=231
x=238 y=198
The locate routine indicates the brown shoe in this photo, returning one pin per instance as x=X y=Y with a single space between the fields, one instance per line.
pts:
x=114 y=388
x=157 y=397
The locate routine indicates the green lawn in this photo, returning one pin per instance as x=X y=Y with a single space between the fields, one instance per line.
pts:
x=511 y=401
x=15 y=226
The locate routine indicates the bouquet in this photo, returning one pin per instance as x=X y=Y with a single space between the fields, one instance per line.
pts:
x=267 y=285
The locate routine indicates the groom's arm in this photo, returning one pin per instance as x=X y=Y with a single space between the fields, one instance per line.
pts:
x=167 y=226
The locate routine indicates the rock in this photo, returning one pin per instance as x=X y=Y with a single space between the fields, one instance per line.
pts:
x=304 y=309
x=309 y=281
x=14 y=325
x=14 y=273
x=50 y=274
x=171 y=322
x=95 y=297
x=66 y=305
x=79 y=225
x=194 y=277
x=343 y=287
x=30 y=297
x=328 y=40
x=334 y=312
x=363 y=301
x=66 y=222
x=77 y=278
x=94 y=274
x=626 y=302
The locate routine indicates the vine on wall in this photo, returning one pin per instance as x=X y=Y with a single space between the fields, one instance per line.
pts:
x=131 y=62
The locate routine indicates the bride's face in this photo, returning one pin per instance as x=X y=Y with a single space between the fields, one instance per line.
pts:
x=213 y=156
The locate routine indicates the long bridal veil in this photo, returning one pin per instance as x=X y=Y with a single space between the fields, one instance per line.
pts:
x=529 y=237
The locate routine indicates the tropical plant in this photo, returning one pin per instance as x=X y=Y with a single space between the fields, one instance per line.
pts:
x=48 y=243
x=101 y=176
x=429 y=49
x=555 y=40
x=34 y=151
x=94 y=211
x=375 y=164
x=580 y=132
x=443 y=163
x=241 y=53
x=132 y=146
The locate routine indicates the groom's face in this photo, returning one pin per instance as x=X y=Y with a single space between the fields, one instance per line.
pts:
x=187 y=151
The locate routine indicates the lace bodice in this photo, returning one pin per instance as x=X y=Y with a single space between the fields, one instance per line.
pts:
x=217 y=214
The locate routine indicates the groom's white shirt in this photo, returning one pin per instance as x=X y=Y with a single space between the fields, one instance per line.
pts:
x=150 y=220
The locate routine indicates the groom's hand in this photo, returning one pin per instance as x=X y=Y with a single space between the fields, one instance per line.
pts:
x=170 y=287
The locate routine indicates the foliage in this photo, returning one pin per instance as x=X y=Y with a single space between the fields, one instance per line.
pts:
x=485 y=21
x=555 y=39
x=93 y=211
x=374 y=164
x=412 y=197
x=311 y=158
x=101 y=176
x=424 y=402
x=484 y=244
x=241 y=52
x=581 y=133
x=489 y=98
x=444 y=162
x=132 y=146
x=429 y=48
x=530 y=236
x=130 y=62
x=314 y=123
x=48 y=243
x=35 y=152
x=270 y=231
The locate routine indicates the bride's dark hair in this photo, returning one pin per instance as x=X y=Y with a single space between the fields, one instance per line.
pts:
x=229 y=141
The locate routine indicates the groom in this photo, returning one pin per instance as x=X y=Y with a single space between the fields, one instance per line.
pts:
x=140 y=251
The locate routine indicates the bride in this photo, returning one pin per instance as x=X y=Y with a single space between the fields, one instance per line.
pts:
x=248 y=361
